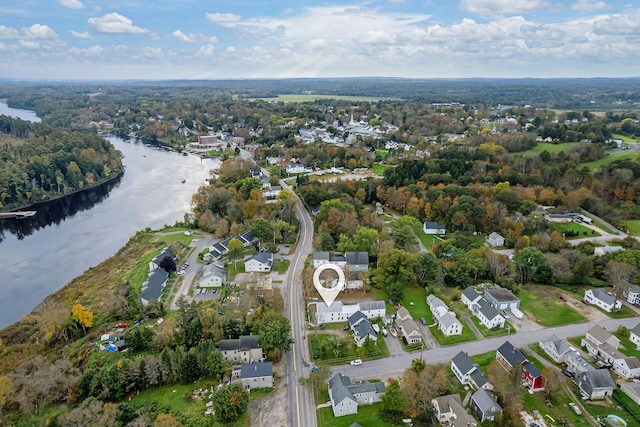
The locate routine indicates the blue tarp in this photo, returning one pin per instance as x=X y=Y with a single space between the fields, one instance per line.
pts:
x=111 y=347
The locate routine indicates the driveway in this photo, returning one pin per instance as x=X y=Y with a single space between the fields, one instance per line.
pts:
x=193 y=271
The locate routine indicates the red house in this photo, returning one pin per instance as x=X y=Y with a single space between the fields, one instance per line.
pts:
x=509 y=356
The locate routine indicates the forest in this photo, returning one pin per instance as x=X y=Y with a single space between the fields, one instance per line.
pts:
x=39 y=162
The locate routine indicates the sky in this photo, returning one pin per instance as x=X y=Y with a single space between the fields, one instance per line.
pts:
x=222 y=39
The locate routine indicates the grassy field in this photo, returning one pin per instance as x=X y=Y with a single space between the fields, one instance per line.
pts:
x=281 y=265
x=378 y=169
x=608 y=159
x=624 y=313
x=550 y=147
x=349 y=350
x=490 y=333
x=417 y=296
x=574 y=227
x=312 y=97
x=382 y=153
x=633 y=225
x=367 y=416
x=544 y=306
x=625 y=138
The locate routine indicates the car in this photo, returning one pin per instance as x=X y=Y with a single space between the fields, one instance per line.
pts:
x=567 y=373
x=534 y=425
x=199 y=291
x=356 y=362
x=123 y=325
x=314 y=368
x=504 y=314
x=345 y=328
x=575 y=408
x=423 y=320
x=384 y=332
x=214 y=291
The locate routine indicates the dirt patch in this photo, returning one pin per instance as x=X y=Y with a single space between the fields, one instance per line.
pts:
x=271 y=410
x=591 y=313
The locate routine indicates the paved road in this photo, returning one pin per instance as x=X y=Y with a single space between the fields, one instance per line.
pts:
x=302 y=411
x=394 y=367
x=194 y=269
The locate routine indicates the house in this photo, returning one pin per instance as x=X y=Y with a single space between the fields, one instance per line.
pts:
x=346 y=396
x=436 y=305
x=559 y=218
x=469 y=297
x=603 y=250
x=357 y=261
x=338 y=312
x=449 y=325
x=509 y=356
x=632 y=390
x=259 y=262
x=154 y=285
x=449 y=411
x=602 y=299
x=247 y=238
x=321 y=258
x=271 y=193
x=166 y=252
x=632 y=294
x=532 y=376
x=403 y=314
x=409 y=330
x=213 y=276
x=361 y=328
x=256 y=375
x=462 y=366
x=296 y=168
x=597 y=336
x=245 y=349
x=433 y=228
x=576 y=364
x=626 y=367
x=555 y=348
x=596 y=384
x=634 y=335
x=495 y=240
x=488 y=315
x=501 y=298
x=484 y=405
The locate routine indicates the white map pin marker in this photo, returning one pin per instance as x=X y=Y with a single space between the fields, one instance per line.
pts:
x=329 y=294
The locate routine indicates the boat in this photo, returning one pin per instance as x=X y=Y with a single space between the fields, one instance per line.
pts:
x=393 y=332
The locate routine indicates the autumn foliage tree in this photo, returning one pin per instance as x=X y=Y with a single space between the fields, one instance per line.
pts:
x=230 y=402
x=83 y=316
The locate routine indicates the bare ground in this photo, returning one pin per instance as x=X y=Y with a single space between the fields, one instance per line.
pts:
x=272 y=410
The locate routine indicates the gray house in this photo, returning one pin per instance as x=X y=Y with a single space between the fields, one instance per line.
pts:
x=245 y=349
x=256 y=375
x=154 y=285
x=213 y=276
x=357 y=261
x=345 y=396
x=495 y=240
x=596 y=384
x=501 y=298
x=484 y=406
x=555 y=348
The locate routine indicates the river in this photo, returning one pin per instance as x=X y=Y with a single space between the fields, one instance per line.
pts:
x=69 y=236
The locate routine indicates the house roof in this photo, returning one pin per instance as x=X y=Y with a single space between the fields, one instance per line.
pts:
x=485 y=402
x=363 y=329
x=448 y=319
x=256 y=370
x=494 y=236
x=463 y=362
x=243 y=343
x=264 y=258
x=356 y=317
x=632 y=362
x=434 y=301
x=487 y=310
x=560 y=346
x=501 y=294
x=372 y=305
x=335 y=307
x=633 y=288
x=598 y=378
x=154 y=284
x=408 y=327
x=403 y=313
x=215 y=270
x=531 y=369
x=603 y=296
x=636 y=330
x=247 y=237
x=342 y=388
x=511 y=353
x=478 y=378
x=599 y=333
x=167 y=251
x=433 y=225
x=357 y=258
x=324 y=256
x=470 y=293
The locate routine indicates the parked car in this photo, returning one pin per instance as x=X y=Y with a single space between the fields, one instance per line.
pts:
x=575 y=408
x=567 y=373
x=356 y=362
x=384 y=332
x=423 y=320
x=123 y=325
x=314 y=368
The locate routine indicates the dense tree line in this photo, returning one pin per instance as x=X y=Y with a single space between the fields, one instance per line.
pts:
x=39 y=162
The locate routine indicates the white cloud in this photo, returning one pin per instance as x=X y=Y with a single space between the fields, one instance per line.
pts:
x=8 y=33
x=80 y=35
x=39 y=31
x=589 y=5
x=206 y=51
x=72 y=4
x=91 y=52
x=222 y=17
x=193 y=38
x=152 y=52
x=502 y=7
x=628 y=24
x=114 y=23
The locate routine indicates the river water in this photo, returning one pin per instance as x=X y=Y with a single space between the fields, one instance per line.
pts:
x=38 y=256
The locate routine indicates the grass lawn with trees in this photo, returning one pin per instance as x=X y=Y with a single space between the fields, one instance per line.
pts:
x=578 y=230
x=542 y=304
x=346 y=347
x=608 y=159
x=414 y=299
x=367 y=416
x=378 y=169
x=633 y=226
x=550 y=148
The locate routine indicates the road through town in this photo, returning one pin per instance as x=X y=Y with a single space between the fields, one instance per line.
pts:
x=302 y=411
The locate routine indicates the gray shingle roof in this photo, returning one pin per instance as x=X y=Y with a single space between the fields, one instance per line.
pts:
x=265 y=258
x=256 y=370
x=449 y=319
x=487 y=310
x=471 y=293
x=357 y=258
x=356 y=317
x=372 y=305
x=154 y=284
x=603 y=296
x=599 y=378
x=485 y=402
x=463 y=362
x=478 y=378
x=244 y=343
x=511 y=353
x=339 y=391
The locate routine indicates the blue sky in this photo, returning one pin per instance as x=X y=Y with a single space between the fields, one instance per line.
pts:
x=190 y=39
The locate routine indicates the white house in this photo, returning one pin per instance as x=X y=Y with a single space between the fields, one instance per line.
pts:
x=602 y=299
x=462 y=366
x=409 y=330
x=259 y=262
x=213 y=276
x=296 y=168
x=450 y=412
x=634 y=335
x=469 y=297
x=361 y=328
x=603 y=250
x=555 y=348
x=346 y=396
x=495 y=240
x=632 y=293
x=444 y=318
x=433 y=228
x=488 y=315
x=338 y=312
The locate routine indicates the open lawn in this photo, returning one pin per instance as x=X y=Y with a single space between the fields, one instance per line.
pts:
x=573 y=230
x=624 y=312
x=281 y=265
x=633 y=226
x=347 y=350
x=367 y=416
x=428 y=240
x=467 y=335
x=593 y=166
x=544 y=306
x=603 y=410
x=550 y=147
x=626 y=346
x=415 y=300
x=384 y=153
x=625 y=138
x=378 y=169
x=490 y=333
x=602 y=226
